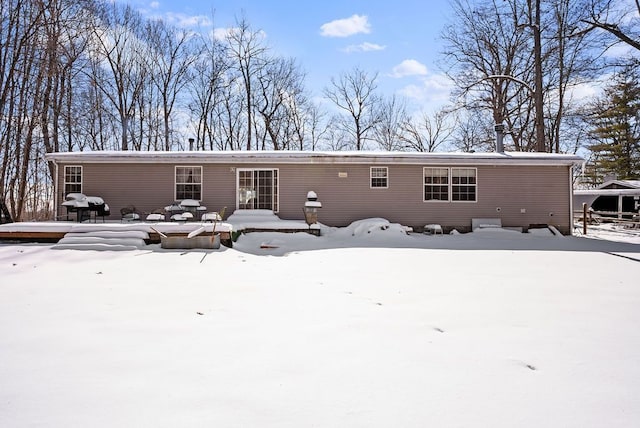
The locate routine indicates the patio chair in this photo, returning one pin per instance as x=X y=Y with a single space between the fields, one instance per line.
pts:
x=156 y=215
x=130 y=213
x=102 y=211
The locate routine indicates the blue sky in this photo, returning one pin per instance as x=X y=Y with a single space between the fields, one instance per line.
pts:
x=398 y=39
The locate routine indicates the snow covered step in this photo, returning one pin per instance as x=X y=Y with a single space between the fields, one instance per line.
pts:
x=100 y=240
x=139 y=234
x=95 y=247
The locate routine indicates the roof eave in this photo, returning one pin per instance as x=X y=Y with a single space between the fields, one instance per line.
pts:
x=287 y=157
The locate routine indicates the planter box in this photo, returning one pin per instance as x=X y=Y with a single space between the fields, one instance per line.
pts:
x=184 y=243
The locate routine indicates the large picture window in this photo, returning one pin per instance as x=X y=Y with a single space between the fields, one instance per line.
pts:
x=379 y=177
x=450 y=184
x=72 y=179
x=188 y=182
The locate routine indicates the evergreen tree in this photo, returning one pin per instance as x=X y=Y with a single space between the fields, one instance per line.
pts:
x=615 y=129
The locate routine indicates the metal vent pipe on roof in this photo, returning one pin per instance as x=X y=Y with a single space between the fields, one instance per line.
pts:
x=499 y=137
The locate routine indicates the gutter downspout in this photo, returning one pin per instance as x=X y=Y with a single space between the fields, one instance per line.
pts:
x=55 y=191
x=570 y=174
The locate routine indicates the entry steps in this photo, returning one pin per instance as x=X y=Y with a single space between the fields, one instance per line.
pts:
x=99 y=240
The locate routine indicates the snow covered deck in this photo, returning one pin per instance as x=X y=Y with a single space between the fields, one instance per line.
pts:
x=54 y=230
x=244 y=221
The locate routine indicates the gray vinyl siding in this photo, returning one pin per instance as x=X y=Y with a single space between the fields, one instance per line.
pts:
x=539 y=190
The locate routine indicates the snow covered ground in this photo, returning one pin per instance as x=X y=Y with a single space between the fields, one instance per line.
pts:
x=364 y=326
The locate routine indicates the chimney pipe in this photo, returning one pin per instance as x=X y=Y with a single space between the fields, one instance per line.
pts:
x=499 y=137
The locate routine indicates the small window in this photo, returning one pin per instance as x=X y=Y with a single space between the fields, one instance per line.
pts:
x=463 y=184
x=188 y=182
x=436 y=184
x=379 y=177
x=72 y=179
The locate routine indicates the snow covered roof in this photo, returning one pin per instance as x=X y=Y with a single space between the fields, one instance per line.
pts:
x=617 y=184
x=308 y=157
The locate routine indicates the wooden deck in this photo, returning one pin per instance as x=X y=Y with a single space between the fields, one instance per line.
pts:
x=54 y=231
x=31 y=236
x=51 y=232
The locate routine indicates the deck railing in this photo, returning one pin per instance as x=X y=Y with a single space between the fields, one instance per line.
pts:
x=588 y=216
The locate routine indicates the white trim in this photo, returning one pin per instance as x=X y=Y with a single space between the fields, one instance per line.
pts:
x=65 y=182
x=571 y=222
x=450 y=184
x=56 y=186
x=305 y=157
x=386 y=177
x=474 y=185
x=175 y=182
x=275 y=201
x=424 y=168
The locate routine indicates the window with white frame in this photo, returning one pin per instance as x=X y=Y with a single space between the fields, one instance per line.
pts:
x=379 y=177
x=257 y=189
x=188 y=182
x=436 y=184
x=72 y=179
x=463 y=184
x=450 y=184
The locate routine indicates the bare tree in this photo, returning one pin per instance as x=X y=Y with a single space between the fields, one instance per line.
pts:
x=336 y=137
x=473 y=133
x=614 y=18
x=489 y=47
x=116 y=41
x=97 y=123
x=428 y=132
x=490 y=62
x=572 y=59
x=173 y=53
x=298 y=110
x=387 y=131
x=209 y=87
x=354 y=93
x=317 y=126
x=230 y=124
x=246 y=48
x=279 y=84
x=307 y=124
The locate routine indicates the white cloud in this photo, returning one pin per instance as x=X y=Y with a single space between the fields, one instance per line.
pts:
x=190 y=21
x=364 y=47
x=409 y=67
x=346 y=27
x=154 y=5
x=221 y=33
x=430 y=93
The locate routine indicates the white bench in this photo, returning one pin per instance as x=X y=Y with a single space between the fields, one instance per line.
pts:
x=485 y=223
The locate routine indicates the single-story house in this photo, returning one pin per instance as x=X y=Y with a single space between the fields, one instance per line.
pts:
x=414 y=189
x=613 y=198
